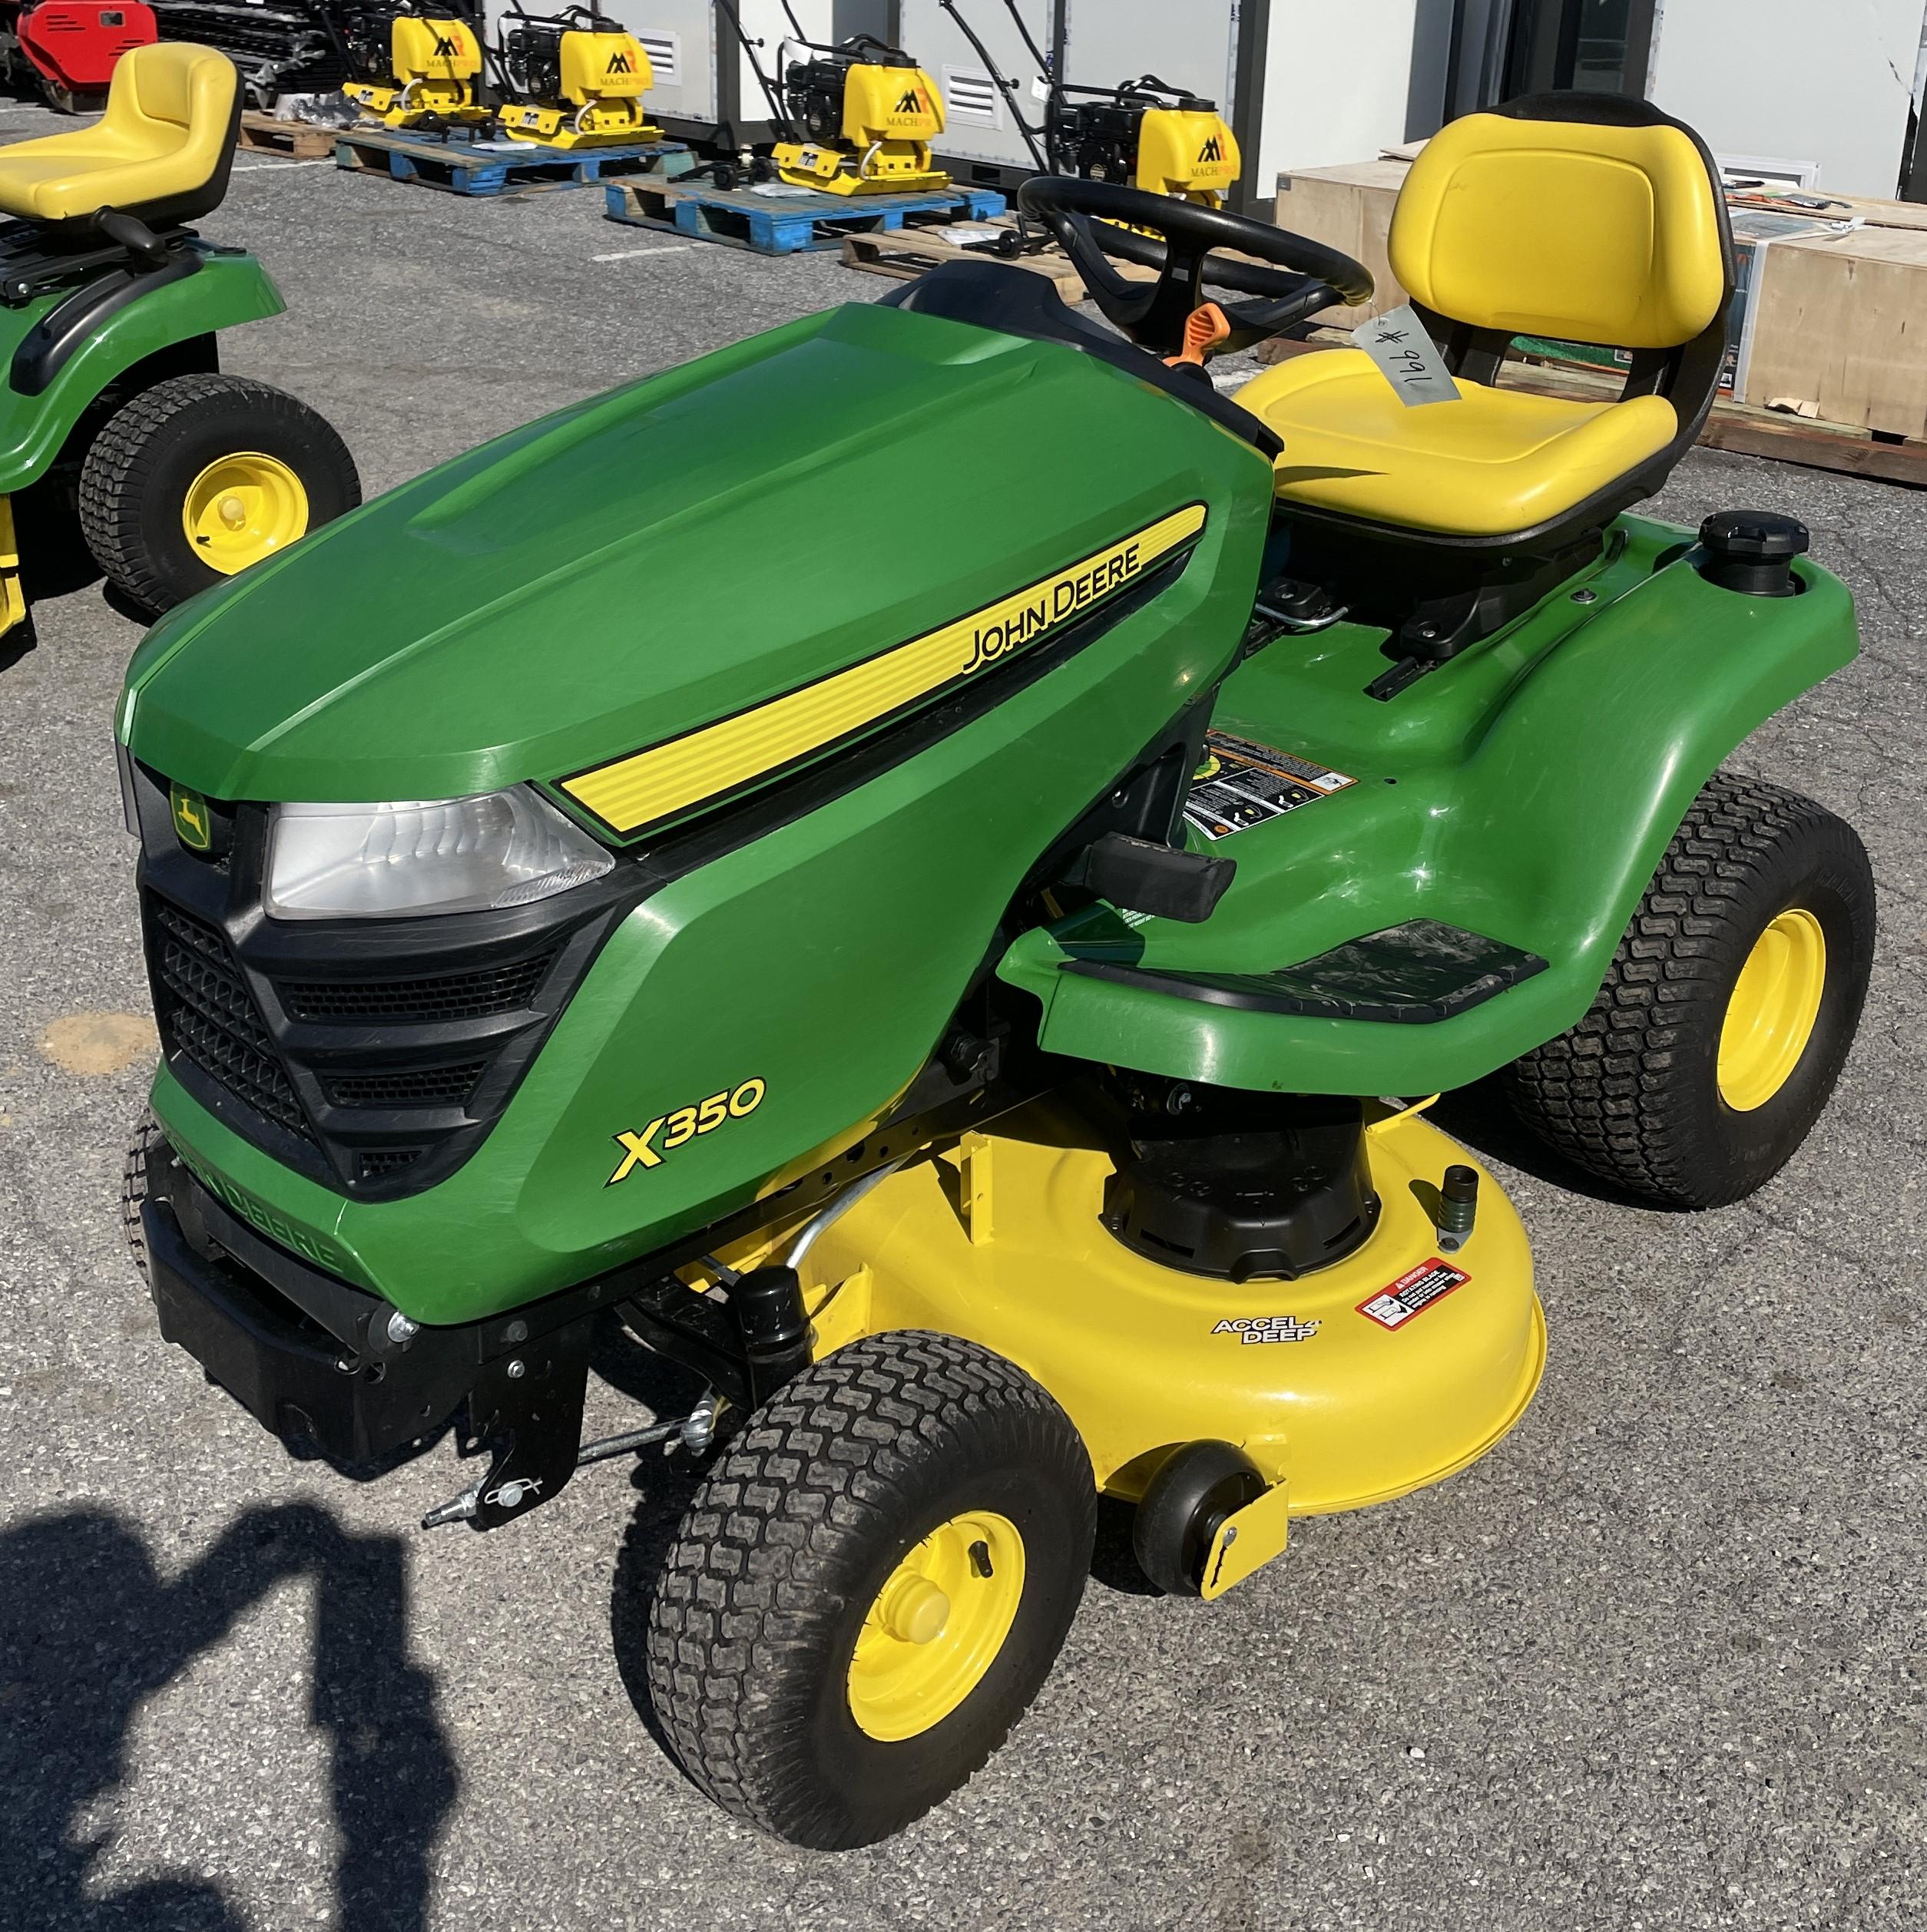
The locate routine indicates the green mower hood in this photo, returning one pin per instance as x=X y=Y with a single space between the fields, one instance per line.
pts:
x=664 y=556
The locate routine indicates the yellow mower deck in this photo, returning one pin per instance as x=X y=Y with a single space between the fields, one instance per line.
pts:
x=1386 y=1371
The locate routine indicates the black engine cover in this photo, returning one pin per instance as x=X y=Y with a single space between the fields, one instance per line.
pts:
x=1242 y=1186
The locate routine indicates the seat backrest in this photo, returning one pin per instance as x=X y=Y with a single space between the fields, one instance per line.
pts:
x=176 y=105
x=191 y=88
x=1585 y=217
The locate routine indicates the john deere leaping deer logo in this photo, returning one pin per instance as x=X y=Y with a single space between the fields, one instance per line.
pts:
x=1212 y=150
x=620 y=63
x=192 y=825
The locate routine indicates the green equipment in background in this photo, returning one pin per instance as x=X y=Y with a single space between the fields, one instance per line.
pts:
x=116 y=430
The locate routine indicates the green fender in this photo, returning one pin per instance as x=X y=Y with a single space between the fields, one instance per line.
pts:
x=1526 y=792
x=227 y=289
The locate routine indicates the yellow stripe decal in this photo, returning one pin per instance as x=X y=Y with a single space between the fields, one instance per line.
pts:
x=655 y=784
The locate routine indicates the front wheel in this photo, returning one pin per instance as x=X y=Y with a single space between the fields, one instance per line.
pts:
x=195 y=479
x=1728 y=1011
x=870 y=1587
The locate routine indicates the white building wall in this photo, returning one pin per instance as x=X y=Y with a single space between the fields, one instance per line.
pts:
x=1339 y=80
x=1824 y=80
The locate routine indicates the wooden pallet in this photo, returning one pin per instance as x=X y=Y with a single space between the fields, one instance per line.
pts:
x=294 y=140
x=789 y=224
x=1740 y=427
x=904 y=256
x=493 y=168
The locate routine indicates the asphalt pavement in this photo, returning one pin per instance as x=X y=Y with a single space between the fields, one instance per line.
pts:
x=1657 y=1662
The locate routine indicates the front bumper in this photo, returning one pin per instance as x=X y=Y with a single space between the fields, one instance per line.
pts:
x=328 y=1368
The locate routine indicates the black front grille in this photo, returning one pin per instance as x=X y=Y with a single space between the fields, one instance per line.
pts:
x=446 y=996
x=378 y=1161
x=206 y=1013
x=373 y=1056
x=416 y=1086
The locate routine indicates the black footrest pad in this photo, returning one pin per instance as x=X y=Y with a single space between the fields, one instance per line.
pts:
x=1410 y=975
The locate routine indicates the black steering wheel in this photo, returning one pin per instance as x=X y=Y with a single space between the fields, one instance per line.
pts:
x=1292 y=277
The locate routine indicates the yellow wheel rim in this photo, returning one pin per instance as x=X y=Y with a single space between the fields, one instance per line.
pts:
x=1769 y=1019
x=241 y=508
x=936 y=1626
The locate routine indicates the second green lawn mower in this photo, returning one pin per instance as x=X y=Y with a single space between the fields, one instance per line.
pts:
x=121 y=441
x=967 y=995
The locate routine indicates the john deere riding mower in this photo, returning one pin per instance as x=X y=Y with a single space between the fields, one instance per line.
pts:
x=970 y=1006
x=420 y=68
x=117 y=427
x=573 y=80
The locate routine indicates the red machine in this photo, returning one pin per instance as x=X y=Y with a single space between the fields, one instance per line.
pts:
x=66 y=49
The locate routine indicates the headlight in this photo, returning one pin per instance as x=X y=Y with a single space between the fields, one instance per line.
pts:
x=386 y=861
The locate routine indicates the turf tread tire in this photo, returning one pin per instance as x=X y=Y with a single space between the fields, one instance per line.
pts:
x=1629 y=1094
x=753 y=1611
x=120 y=470
x=134 y=1186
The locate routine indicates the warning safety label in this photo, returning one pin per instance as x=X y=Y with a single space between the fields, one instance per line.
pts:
x=1414 y=1292
x=1241 y=785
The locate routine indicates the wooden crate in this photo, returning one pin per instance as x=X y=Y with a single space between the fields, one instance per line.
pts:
x=1349 y=209
x=789 y=224
x=295 y=141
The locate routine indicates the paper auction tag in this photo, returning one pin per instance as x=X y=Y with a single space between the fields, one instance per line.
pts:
x=1410 y=358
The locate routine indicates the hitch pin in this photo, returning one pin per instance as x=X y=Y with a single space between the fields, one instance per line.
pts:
x=456 y=1510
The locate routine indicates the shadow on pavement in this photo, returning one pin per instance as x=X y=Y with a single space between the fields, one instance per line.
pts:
x=89 y=1630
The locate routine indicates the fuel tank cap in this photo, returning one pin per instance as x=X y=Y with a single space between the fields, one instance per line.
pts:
x=1752 y=551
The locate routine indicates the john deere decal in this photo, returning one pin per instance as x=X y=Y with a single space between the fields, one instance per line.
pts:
x=649 y=786
x=193 y=827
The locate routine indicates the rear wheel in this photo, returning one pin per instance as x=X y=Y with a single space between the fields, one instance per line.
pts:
x=1731 y=1002
x=870 y=1587
x=195 y=479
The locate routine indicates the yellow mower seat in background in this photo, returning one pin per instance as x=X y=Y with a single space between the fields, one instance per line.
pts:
x=161 y=152
x=1549 y=219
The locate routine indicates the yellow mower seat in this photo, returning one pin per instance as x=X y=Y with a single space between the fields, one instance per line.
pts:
x=1571 y=217
x=162 y=150
x=1495 y=461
